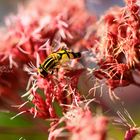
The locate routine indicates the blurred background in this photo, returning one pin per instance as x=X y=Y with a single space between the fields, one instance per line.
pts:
x=9 y=6
x=96 y=6
x=24 y=129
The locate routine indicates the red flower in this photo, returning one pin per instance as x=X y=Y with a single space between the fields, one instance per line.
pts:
x=33 y=34
x=131 y=133
x=77 y=124
x=117 y=47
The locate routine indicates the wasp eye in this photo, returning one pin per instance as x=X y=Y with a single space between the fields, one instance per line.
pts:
x=42 y=72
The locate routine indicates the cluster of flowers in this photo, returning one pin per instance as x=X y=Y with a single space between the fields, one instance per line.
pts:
x=77 y=124
x=30 y=36
x=37 y=31
x=118 y=45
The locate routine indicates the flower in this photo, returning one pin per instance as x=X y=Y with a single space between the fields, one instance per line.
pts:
x=34 y=33
x=117 y=46
x=131 y=133
x=77 y=124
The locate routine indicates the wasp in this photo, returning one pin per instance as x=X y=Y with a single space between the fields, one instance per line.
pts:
x=55 y=59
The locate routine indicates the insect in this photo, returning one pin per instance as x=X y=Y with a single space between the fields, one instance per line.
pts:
x=55 y=59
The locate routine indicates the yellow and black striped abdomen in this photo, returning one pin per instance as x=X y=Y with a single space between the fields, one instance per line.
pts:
x=50 y=62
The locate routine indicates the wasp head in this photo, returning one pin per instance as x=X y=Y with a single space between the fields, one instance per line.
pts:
x=42 y=72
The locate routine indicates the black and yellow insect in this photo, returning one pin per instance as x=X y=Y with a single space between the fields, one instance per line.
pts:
x=56 y=59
